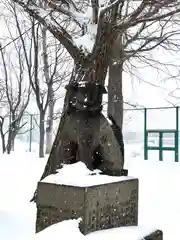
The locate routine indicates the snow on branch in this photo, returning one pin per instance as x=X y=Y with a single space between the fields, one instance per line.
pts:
x=68 y=8
x=45 y=18
x=106 y=16
x=109 y=5
x=148 y=11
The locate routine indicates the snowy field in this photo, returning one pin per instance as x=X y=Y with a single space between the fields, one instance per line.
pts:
x=159 y=197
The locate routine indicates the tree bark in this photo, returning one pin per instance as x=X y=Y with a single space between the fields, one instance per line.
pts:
x=50 y=99
x=41 y=134
x=3 y=143
x=11 y=133
x=2 y=135
x=115 y=91
x=49 y=128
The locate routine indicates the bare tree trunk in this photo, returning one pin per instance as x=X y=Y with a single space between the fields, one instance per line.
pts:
x=2 y=135
x=13 y=129
x=41 y=134
x=10 y=133
x=13 y=140
x=115 y=94
x=3 y=143
x=115 y=91
x=49 y=81
x=49 y=128
x=9 y=142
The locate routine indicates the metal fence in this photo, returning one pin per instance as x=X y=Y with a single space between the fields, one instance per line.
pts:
x=133 y=127
x=156 y=129
x=28 y=136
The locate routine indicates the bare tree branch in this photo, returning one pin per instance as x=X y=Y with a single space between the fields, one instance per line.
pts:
x=44 y=17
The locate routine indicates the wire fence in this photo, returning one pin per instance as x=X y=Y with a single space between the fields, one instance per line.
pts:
x=28 y=136
x=133 y=126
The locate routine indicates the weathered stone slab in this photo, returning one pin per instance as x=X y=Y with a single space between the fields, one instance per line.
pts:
x=156 y=235
x=101 y=206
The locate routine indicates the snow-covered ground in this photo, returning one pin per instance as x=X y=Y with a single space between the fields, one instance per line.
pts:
x=159 y=197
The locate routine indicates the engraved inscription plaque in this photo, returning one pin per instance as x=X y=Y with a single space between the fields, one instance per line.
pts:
x=100 y=207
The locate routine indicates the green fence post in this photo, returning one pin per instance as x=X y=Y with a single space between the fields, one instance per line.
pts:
x=177 y=136
x=160 y=146
x=145 y=136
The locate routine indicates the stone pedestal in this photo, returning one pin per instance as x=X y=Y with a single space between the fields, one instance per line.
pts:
x=101 y=206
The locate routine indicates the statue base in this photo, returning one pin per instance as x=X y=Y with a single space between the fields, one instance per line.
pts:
x=100 y=206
